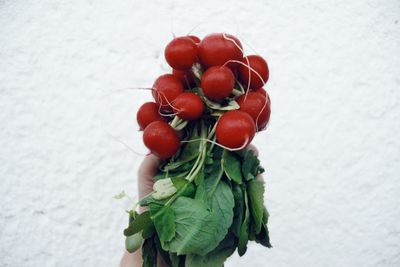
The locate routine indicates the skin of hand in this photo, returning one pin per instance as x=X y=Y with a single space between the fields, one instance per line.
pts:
x=147 y=170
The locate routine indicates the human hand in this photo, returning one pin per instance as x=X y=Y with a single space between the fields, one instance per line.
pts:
x=147 y=170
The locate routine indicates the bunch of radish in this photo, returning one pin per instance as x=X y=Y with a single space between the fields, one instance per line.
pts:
x=204 y=115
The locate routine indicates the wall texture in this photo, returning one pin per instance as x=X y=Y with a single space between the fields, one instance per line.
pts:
x=332 y=151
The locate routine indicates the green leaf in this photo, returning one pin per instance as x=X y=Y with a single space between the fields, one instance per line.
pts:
x=217 y=152
x=215 y=258
x=256 y=195
x=238 y=210
x=149 y=253
x=176 y=261
x=195 y=227
x=214 y=172
x=219 y=197
x=138 y=224
x=155 y=206
x=207 y=187
x=199 y=177
x=164 y=221
x=191 y=149
x=146 y=201
x=252 y=232
x=222 y=203
x=164 y=254
x=201 y=187
x=265 y=215
x=133 y=242
x=231 y=166
x=251 y=164
x=148 y=231
x=244 y=229
x=179 y=183
x=263 y=237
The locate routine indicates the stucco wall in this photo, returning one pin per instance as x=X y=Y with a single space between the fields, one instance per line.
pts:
x=332 y=151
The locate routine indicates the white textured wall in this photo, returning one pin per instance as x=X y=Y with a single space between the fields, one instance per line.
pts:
x=332 y=152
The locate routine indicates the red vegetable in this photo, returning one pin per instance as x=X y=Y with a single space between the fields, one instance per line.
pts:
x=194 y=38
x=181 y=53
x=186 y=77
x=216 y=50
x=259 y=65
x=166 y=88
x=264 y=93
x=261 y=91
x=148 y=113
x=235 y=129
x=161 y=139
x=217 y=82
x=257 y=106
x=188 y=106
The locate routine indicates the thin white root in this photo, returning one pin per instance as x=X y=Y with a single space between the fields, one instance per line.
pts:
x=218 y=144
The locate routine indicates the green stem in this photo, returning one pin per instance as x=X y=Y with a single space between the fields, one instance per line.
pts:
x=237 y=92
x=203 y=153
x=175 y=122
x=197 y=165
x=212 y=132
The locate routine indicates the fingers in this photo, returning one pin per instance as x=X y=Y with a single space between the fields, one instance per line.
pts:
x=135 y=259
x=149 y=166
x=147 y=170
x=253 y=148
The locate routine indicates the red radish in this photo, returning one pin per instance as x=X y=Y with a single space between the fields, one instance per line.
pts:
x=148 y=113
x=258 y=65
x=264 y=93
x=166 y=88
x=217 y=82
x=181 y=53
x=257 y=106
x=261 y=91
x=194 y=38
x=161 y=139
x=186 y=77
x=188 y=106
x=235 y=129
x=216 y=49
